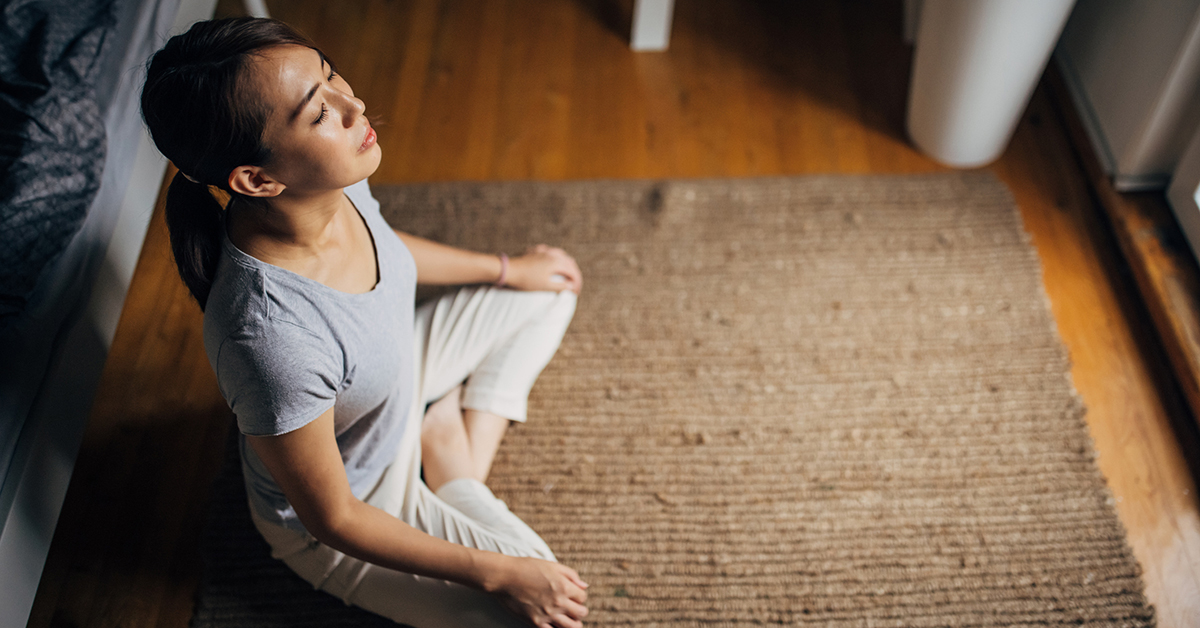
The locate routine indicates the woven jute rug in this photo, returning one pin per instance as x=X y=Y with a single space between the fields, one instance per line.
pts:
x=835 y=401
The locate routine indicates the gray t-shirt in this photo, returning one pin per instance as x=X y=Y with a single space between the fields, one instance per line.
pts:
x=286 y=348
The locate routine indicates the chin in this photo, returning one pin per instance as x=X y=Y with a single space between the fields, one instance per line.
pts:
x=378 y=159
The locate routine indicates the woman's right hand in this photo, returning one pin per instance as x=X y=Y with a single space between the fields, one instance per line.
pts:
x=546 y=593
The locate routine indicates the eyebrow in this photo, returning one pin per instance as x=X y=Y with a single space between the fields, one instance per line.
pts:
x=309 y=96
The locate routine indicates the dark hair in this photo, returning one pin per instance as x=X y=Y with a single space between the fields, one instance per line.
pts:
x=202 y=114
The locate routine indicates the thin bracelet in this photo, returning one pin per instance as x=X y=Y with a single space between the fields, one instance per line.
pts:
x=503 y=269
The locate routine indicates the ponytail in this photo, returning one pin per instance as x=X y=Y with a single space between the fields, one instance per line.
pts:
x=194 y=222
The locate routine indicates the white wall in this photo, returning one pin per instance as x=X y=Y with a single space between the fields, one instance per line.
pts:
x=1134 y=72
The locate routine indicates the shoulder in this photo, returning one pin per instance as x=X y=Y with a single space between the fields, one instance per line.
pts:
x=249 y=295
x=238 y=298
x=277 y=375
x=255 y=320
x=271 y=347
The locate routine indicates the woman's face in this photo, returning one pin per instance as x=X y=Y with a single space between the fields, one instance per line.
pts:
x=315 y=128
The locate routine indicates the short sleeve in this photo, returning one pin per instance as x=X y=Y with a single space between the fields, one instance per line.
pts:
x=277 y=377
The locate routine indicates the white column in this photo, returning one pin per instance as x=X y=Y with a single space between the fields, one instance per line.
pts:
x=256 y=8
x=651 y=25
x=975 y=67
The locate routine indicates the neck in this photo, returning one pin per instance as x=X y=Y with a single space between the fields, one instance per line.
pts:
x=291 y=227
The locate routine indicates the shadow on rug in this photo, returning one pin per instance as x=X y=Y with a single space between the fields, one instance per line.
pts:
x=832 y=400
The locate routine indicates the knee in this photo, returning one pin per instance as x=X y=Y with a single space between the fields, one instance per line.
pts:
x=562 y=310
x=556 y=307
x=536 y=301
x=565 y=303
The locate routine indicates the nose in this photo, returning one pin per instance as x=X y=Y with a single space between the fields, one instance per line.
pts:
x=352 y=108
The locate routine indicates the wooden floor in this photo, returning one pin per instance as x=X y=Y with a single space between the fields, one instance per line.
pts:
x=548 y=89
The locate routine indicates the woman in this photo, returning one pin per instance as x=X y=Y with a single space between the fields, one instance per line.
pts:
x=344 y=395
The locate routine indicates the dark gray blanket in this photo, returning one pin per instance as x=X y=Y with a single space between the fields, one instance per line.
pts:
x=52 y=137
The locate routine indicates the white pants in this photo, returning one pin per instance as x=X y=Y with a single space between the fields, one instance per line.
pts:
x=499 y=341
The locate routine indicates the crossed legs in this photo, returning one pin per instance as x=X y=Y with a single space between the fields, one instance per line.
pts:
x=478 y=353
x=482 y=350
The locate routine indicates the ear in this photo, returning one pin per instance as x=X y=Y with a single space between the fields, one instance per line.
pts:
x=254 y=181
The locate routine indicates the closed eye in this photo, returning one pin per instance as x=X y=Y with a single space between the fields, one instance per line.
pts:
x=324 y=110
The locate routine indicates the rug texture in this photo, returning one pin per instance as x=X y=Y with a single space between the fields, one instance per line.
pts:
x=835 y=401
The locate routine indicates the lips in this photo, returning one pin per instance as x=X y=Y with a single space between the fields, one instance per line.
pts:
x=369 y=140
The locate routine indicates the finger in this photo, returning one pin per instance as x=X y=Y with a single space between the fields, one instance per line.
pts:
x=567 y=266
x=570 y=272
x=576 y=610
x=573 y=286
x=578 y=592
x=577 y=595
x=562 y=621
x=577 y=274
x=565 y=278
x=574 y=575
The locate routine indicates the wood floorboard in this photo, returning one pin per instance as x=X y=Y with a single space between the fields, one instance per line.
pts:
x=548 y=89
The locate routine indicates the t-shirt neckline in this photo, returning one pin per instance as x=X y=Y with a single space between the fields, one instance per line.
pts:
x=245 y=259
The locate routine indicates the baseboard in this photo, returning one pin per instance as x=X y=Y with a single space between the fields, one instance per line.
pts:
x=1151 y=242
x=1084 y=111
x=1140 y=182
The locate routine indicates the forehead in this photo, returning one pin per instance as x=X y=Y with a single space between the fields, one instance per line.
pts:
x=282 y=75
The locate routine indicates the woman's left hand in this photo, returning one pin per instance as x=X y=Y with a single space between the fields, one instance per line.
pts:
x=544 y=267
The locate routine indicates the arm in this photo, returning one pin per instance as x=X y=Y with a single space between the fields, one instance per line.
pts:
x=308 y=467
x=442 y=265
